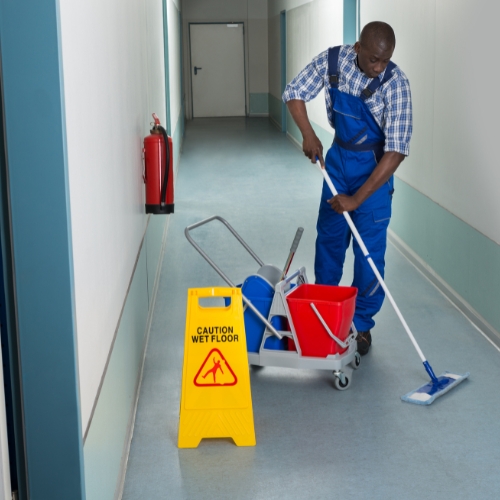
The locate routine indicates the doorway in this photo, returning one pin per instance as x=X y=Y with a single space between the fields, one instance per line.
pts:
x=217 y=69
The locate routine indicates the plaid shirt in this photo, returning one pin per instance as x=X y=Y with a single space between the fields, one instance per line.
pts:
x=390 y=105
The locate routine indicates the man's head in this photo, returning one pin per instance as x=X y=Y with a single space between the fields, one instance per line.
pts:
x=375 y=47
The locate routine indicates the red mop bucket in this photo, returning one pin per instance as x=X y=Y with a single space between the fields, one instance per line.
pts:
x=335 y=304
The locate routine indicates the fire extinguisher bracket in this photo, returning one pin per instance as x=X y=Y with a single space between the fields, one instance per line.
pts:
x=158 y=209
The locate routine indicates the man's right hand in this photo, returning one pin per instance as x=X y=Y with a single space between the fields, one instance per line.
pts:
x=313 y=148
x=311 y=145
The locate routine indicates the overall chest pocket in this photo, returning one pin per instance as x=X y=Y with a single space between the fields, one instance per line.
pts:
x=349 y=107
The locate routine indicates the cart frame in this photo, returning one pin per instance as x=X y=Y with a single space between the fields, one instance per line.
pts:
x=342 y=365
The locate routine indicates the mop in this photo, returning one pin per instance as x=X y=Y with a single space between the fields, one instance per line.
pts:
x=438 y=386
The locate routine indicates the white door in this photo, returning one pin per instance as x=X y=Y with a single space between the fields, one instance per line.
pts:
x=217 y=70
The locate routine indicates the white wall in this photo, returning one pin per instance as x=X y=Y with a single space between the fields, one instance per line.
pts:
x=112 y=56
x=274 y=60
x=253 y=13
x=258 y=46
x=312 y=26
x=446 y=49
x=311 y=29
x=276 y=6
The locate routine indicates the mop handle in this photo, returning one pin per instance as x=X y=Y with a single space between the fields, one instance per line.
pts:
x=372 y=264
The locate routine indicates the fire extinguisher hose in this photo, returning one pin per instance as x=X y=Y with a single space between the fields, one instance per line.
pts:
x=167 y=167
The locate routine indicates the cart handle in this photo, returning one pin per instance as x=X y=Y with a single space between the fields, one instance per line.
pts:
x=234 y=233
x=220 y=272
x=349 y=339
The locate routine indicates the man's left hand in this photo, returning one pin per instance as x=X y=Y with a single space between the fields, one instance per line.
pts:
x=343 y=203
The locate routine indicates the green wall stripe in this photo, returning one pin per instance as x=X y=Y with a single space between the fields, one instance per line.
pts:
x=463 y=257
x=259 y=103
x=114 y=411
x=275 y=110
x=177 y=141
x=324 y=136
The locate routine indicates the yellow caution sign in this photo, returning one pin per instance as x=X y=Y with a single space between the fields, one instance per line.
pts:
x=216 y=400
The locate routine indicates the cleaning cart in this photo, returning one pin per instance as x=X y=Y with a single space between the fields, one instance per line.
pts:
x=293 y=324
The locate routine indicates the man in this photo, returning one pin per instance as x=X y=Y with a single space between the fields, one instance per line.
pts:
x=368 y=103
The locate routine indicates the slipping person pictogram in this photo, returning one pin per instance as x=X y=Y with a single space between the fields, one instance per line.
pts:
x=214 y=369
x=216 y=365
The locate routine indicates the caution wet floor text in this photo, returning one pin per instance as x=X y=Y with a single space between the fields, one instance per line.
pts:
x=216 y=400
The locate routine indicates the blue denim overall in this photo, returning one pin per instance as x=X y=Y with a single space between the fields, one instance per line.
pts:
x=355 y=152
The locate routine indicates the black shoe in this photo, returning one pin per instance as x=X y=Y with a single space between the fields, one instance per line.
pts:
x=364 y=340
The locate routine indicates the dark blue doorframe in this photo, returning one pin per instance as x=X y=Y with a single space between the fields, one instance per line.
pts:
x=351 y=21
x=283 y=66
x=10 y=351
x=41 y=262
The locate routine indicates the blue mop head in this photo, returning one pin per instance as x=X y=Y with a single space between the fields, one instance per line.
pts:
x=426 y=394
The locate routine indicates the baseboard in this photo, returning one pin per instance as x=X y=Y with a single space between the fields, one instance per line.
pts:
x=258 y=115
x=130 y=429
x=274 y=122
x=294 y=141
x=459 y=302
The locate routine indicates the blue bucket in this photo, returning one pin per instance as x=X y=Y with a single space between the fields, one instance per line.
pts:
x=259 y=291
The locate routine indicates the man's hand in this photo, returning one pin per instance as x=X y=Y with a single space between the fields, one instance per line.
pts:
x=343 y=203
x=380 y=175
x=311 y=145
x=313 y=148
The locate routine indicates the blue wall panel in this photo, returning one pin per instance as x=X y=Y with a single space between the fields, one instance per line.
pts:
x=283 y=67
x=350 y=18
x=41 y=241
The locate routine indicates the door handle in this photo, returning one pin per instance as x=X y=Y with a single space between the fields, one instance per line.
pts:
x=196 y=70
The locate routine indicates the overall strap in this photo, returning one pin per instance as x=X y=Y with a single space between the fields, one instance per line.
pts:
x=333 y=63
x=376 y=83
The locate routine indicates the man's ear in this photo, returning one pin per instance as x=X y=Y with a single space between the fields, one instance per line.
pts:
x=357 y=47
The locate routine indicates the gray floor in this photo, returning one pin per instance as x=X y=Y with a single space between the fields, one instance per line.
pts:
x=312 y=441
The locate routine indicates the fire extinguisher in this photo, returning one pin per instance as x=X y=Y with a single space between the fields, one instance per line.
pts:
x=158 y=170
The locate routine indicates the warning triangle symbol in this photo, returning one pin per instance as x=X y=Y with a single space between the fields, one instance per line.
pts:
x=215 y=371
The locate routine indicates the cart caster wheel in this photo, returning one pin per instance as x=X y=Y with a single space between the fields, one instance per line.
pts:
x=356 y=361
x=341 y=381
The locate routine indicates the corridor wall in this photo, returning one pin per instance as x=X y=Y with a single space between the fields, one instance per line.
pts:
x=253 y=13
x=446 y=206
x=311 y=27
x=114 y=77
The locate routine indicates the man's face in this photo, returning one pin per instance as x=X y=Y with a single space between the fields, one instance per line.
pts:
x=373 y=58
